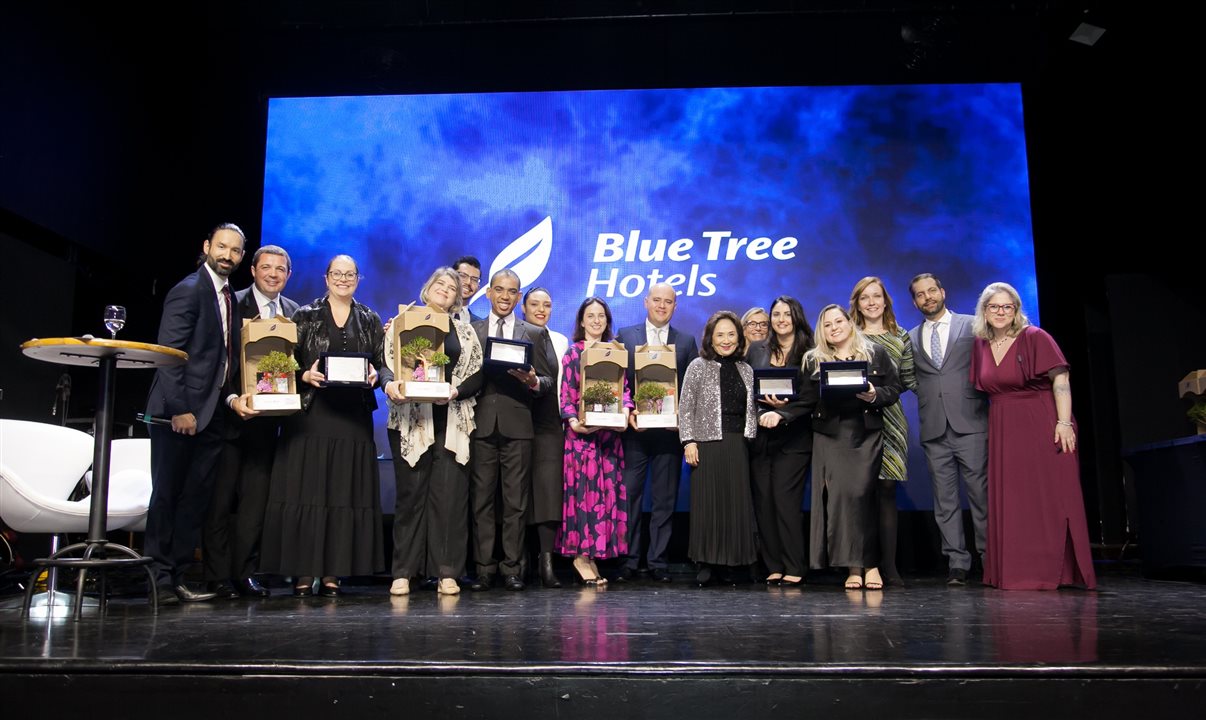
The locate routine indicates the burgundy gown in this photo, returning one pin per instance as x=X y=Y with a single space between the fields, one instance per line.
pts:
x=1038 y=538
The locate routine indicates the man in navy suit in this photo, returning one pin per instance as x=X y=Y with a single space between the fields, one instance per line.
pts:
x=502 y=440
x=235 y=520
x=655 y=453
x=954 y=421
x=198 y=318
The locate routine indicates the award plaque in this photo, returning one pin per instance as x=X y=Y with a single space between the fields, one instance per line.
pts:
x=345 y=369
x=508 y=354
x=777 y=381
x=843 y=379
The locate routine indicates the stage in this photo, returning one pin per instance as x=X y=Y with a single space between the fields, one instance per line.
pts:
x=1131 y=648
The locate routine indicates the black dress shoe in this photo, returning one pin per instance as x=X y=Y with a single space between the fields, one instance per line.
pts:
x=221 y=590
x=167 y=595
x=185 y=594
x=661 y=575
x=705 y=577
x=250 y=587
x=956 y=577
x=512 y=582
x=481 y=583
x=545 y=567
x=626 y=575
x=329 y=589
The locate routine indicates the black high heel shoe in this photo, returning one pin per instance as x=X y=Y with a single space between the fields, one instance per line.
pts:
x=303 y=587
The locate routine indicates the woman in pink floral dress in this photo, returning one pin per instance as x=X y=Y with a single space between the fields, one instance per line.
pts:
x=594 y=518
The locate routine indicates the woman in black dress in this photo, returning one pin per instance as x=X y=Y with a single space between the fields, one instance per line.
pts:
x=324 y=505
x=783 y=449
x=430 y=444
x=716 y=419
x=847 y=450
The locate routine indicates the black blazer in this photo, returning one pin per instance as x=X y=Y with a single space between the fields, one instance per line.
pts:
x=505 y=403
x=192 y=322
x=794 y=434
x=825 y=416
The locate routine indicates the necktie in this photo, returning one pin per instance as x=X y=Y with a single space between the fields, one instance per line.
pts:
x=271 y=310
x=227 y=319
x=499 y=332
x=935 y=346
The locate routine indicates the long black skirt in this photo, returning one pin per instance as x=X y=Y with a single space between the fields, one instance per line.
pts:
x=722 y=509
x=845 y=468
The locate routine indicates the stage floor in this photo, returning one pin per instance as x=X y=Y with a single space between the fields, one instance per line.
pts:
x=1130 y=630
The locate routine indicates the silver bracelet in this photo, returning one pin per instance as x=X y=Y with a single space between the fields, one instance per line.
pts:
x=1064 y=422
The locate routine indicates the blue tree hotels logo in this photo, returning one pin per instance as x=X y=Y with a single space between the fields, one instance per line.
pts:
x=527 y=255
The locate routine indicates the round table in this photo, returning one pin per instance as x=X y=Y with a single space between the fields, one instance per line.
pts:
x=108 y=356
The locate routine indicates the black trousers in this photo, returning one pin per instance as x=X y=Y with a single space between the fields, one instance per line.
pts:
x=231 y=538
x=182 y=475
x=658 y=455
x=500 y=463
x=777 y=479
x=431 y=513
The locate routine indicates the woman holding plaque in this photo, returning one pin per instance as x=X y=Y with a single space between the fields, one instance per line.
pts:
x=324 y=505
x=847 y=449
x=430 y=442
x=871 y=310
x=548 y=446
x=782 y=450
x=1038 y=538
x=716 y=417
x=594 y=518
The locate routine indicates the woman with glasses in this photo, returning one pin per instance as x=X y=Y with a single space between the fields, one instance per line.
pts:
x=871 y=310
x=1038 y=538
x=324 y=508
x=430 y=443
x=782 y=450
x=755 y=326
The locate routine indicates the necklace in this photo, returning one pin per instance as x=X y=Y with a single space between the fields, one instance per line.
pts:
x=998 y=344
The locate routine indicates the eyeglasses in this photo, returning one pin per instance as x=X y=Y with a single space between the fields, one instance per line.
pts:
x=758 y=324
x=334 y=275
x=470 y=279
x=1001 y=309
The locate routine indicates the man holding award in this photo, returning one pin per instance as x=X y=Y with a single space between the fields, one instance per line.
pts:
x=655 y=453
x=519 y=366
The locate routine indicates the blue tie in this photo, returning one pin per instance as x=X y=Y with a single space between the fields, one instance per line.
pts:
x=271 y=310
x=935 y=346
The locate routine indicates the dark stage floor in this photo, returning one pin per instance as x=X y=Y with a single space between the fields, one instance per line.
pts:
x=640 y=650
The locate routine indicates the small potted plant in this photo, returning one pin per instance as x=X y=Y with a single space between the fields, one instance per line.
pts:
x=1197 y=413
x=599 y=396
x=426 y=361
x=649 y=396
x=274 y=370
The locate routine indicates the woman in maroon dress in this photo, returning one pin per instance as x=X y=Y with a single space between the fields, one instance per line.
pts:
x=1038 y=538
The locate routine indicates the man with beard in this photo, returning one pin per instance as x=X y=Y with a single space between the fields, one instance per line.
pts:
x=198 y=318
x=469 y=269
x=954 y=421
x=235 y=520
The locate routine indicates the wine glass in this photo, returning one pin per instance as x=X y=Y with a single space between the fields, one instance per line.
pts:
x=115 y=319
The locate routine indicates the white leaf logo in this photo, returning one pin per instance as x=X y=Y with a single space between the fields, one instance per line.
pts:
x=527 y=255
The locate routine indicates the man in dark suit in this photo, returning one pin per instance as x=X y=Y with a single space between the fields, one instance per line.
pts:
x=502 y=441
x=236 y=513
x=655 y=453
x=198 y=318
x=954 y=421
x=470 y=272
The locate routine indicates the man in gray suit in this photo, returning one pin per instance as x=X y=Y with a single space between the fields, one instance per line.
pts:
x=954 y=421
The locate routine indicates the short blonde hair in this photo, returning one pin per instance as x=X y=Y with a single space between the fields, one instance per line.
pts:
x=980 y=324
x=443 y=272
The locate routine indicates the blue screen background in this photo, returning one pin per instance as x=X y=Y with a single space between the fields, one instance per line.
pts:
x=842 y=182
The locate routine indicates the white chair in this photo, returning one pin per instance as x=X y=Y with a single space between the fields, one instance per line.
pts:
x=40 y=464
x=129 y=483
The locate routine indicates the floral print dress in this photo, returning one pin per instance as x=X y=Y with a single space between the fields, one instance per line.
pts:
x=594 y=517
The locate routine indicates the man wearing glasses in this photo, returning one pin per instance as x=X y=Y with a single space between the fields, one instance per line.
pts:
x=502 y=440
x=470 y=272
x=954 y=421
